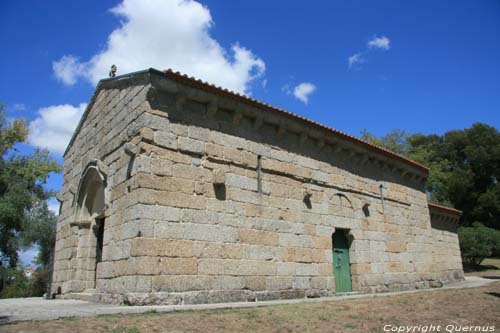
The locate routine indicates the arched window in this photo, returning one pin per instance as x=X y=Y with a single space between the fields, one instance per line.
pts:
x=91 y=204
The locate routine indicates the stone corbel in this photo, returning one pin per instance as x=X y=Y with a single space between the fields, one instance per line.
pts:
x=303 y=137
x=131 y=149
x=219 y=178
x=259 y=122
x=382 y=164
x=59 y=197
x=321 y=142
x=180 y=100
x=364 y=159
x=238 y=115
x=72 y=190
x=212 y=108
x=410 y=175
x=281 y=129
x=307 y=199
x=338 y=148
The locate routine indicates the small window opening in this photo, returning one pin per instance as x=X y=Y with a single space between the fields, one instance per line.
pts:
x=259 y=174
x=100 y=240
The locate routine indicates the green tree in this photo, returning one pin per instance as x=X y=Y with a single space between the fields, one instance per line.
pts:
x=22 y=179
x=40 y=229
x=396 y=140
x=464 y=168
x=477 y=243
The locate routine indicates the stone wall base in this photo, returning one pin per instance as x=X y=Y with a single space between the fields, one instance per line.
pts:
x=229 y=296
x=207 y=296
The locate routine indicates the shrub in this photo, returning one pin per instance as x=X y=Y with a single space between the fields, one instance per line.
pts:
x=477 y=243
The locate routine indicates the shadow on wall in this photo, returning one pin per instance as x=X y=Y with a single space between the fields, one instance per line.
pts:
x=270 y=134
x=444 y=225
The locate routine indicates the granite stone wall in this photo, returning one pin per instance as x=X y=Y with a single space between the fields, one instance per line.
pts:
x=208 y=199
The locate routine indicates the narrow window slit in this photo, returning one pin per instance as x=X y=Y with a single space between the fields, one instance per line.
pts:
x=259 y=173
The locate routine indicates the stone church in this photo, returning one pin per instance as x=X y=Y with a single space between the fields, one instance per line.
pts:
x=176 y=191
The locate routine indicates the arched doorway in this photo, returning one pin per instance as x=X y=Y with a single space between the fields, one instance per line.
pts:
x=90 y=219
x=341 y=261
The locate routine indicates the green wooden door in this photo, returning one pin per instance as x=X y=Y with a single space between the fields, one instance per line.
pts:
x=341 y=264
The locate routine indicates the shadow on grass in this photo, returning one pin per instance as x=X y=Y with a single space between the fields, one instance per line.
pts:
x=478 y=268
x=492 y=293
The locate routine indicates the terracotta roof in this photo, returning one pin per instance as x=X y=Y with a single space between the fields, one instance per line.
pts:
x=444 y=208
x=191 y=81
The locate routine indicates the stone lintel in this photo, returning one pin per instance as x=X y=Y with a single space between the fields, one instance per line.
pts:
x=81 y=224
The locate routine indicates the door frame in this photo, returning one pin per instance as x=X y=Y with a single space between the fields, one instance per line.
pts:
x=345 y=233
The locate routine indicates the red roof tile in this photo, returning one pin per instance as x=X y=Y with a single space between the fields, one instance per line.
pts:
x=444 y=208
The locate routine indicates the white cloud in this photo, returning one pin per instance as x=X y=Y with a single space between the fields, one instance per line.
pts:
x=165 y=34
x=286 y=89
x=68 y=69
x=303 y=90
x=379 y=43
x=53 y=205
x=54 y=126
x=356 y=58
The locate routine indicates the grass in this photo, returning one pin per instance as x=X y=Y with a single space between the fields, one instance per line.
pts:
x=473 y=306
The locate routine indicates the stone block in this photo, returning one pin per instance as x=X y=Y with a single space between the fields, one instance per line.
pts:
x=179 y=283
x=392 y=246
x=394 y=267
x=218 y=250
x=361 y=268
x=258 y=237
x=302 y=255
x=180 y=200
x=175 y=266
x=165 y=139
x=279 y=282
x=162 y=247
x=191 y=145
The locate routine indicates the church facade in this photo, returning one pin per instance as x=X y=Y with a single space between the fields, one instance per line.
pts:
x=176 y=192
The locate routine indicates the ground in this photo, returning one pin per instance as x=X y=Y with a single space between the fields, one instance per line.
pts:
x=478 y=306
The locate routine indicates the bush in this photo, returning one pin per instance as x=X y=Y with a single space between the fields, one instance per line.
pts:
x=39 y=282
x=477 y=243
x=18 y=284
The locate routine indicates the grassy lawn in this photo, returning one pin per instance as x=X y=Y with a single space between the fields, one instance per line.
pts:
x=489 y=268
x=474 y=306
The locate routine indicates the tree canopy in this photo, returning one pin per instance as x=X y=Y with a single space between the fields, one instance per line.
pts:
x=22 y=180
x=464 y=168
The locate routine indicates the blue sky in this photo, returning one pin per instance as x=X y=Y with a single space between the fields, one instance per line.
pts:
x=422 y=66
